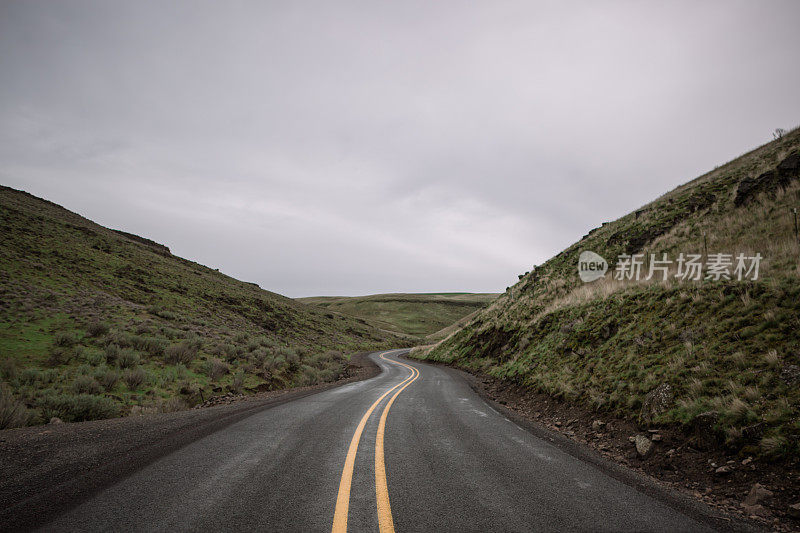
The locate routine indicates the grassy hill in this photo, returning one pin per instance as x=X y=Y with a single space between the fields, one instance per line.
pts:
x=728 y=350
x=417 y=315
x=97 y=323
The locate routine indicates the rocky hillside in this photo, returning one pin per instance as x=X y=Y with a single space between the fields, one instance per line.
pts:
x=718 y=355
x=96 y=323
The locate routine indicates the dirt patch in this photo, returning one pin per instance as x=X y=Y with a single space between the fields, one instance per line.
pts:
x=721 y=480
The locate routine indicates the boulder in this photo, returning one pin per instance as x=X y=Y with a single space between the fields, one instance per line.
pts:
x=757 y=494
x=644 y=446
x=56 y=420
x=657 y=401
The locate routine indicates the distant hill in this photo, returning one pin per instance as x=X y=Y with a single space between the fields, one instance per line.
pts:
x=722 y=348
x=417 y=315
x=97 y=323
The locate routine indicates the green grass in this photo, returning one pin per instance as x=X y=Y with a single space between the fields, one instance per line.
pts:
x=726 y=346
x=75 y=295
x=417 y=315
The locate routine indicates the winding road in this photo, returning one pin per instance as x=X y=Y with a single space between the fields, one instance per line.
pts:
x=412 y=449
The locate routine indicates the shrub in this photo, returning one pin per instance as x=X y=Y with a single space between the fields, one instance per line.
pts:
x=59 y=356
x=183 y=352
x=120 y=339
x=30 y=377
x=77 y=408
x=92 y=357
x=128 y=359
x=108 y=379
x=13 y=414
x=217 y=369
x=171 y=404
x=64 y=339
x=238 y=381
x=97 y=329
x=134 y=378
x=112 y=352
x=86 y=385
x=150 y=345
x=8 y=369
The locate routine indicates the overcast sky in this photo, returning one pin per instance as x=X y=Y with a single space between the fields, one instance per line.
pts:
x=359 y=147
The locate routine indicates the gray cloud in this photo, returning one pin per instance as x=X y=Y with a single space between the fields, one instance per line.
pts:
x=358 y=147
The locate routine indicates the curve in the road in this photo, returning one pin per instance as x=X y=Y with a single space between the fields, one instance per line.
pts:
x=385 y=521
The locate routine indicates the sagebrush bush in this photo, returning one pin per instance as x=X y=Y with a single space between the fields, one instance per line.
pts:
x=150 y=345
x=112 y=352
x=128 y=358
x=238 y=381
x=13 y=414
x=109 y=379
x=216 y=369
x=86 y=385
x=97 y=329
x=8 y=369
x=134 y=378
x=183 y=352
x=77 y=408
x=171 y=404
x=64 y=339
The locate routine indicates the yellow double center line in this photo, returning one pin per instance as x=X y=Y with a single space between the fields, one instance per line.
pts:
x=385 y=522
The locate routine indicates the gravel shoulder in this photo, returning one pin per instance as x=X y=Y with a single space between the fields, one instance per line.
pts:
x=46 y=470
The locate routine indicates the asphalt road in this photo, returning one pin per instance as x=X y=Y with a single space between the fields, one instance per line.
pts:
x=445 y=461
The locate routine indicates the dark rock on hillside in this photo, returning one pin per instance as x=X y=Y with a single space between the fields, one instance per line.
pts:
x=772 y=180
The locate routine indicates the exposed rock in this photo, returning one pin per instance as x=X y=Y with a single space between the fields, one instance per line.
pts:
x=747 y=461
x=755 y=510
x=772 y=180
x=703 y=427
x=657 y=401
x=723 y=470
x=757 y=494
x=791 y=165
x=597 y=424
x=790 y=374
x=794 y=510
x=656 y=438
x=56 y=420
x=644 y=446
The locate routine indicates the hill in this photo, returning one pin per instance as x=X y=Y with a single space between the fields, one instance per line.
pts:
x=96 y=323
x=417 y=315
x=717 y=357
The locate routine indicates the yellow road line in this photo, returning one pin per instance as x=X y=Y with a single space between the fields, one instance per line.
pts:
x=343 y=498
x=385 y=521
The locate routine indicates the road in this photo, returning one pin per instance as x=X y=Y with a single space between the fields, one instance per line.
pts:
x=413 y=449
